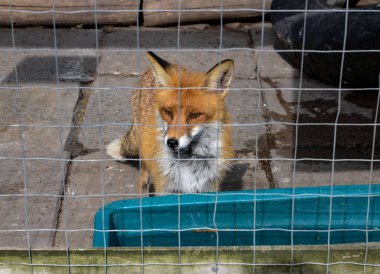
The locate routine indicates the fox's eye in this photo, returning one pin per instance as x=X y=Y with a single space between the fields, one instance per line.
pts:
x=168 y=112
x=195 y=115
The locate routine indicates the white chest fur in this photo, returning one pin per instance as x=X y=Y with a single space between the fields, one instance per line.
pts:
x=190 y=175
x=197 y=171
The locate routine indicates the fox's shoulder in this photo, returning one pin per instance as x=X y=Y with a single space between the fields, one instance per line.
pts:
x=143 y=94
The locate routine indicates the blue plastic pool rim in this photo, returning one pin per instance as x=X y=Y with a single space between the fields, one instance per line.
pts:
x=102 y=230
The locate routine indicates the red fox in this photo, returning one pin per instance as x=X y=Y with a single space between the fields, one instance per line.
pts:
x=180 y=128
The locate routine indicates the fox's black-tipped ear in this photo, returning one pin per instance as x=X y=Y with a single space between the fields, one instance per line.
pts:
x=219 y=77
x=161 y=70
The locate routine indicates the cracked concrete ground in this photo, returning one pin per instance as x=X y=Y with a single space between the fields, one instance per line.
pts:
x=72 y=98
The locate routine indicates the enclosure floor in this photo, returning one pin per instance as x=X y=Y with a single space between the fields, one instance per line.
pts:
x=49 y=201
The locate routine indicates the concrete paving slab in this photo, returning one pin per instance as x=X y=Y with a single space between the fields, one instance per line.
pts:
x=35 y=52
x=34 y=231
x=320 y=173
x=243 y=102
x=6 y=68
x=89 y=186
x=245 y=174
x=43 y=180
x=126 y=63
x=316 y=108
x=199 y=50
x=270 y=63
x=66 y=38
x=40 y=68
x=318 y=105
x=318 y=101
x=317 y=142
x=115 y=107
x=41 y=112
x=168 y=38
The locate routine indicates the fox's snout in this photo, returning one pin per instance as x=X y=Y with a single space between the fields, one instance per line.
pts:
x=175 y=138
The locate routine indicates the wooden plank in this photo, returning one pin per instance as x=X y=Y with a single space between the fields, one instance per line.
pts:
x=68 y=12
x=71 y=12
x=273 y=259
x=210 y=10
x=164 y=12
x=363 y=3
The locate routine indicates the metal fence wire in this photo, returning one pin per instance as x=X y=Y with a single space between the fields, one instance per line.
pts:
x=303 y=101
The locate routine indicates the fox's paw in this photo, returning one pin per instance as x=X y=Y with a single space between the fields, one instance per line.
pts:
x=114 y=150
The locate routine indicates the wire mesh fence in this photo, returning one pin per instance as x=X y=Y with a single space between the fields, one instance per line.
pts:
x=284 y=134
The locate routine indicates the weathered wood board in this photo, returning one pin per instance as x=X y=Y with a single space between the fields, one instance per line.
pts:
x=269 y=259
x=160 y=12
x=362 y=3
x=68 y=12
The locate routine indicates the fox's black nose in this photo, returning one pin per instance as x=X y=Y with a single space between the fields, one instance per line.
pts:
x=172 y=143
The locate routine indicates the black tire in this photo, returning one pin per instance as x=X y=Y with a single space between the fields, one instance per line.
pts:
x=325 y=32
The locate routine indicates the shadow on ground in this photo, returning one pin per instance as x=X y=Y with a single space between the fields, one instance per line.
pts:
x=46 y=69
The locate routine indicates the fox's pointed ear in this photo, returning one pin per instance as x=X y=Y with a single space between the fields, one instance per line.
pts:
x=161 y=70
x=219 y=77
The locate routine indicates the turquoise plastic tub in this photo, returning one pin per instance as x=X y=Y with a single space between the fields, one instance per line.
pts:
x=243 y=218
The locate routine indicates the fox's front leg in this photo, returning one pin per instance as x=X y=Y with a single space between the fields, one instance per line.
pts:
x=215 y=185
x=160 y=185
x=142 y=186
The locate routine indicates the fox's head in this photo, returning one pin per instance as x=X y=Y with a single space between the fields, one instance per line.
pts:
x=189 y=102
